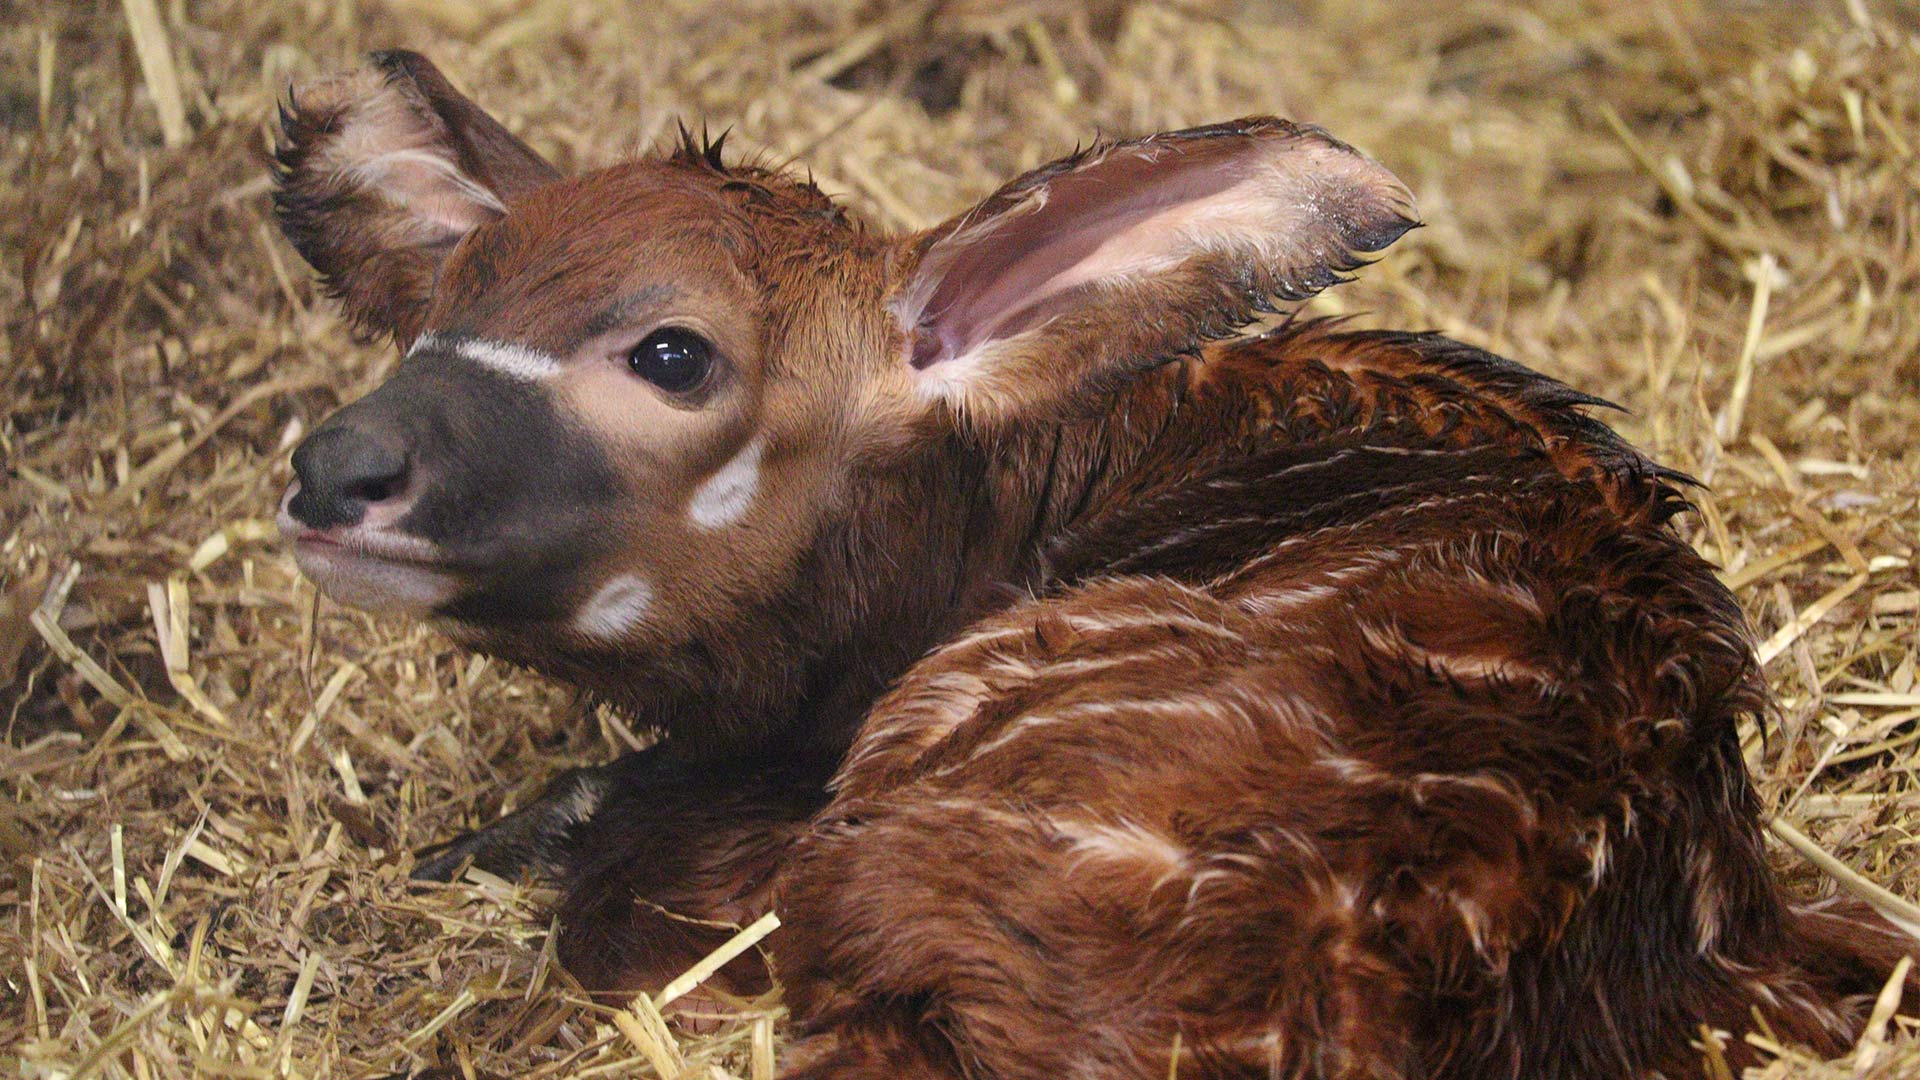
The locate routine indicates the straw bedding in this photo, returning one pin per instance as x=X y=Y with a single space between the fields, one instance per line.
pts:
x=1706 y=211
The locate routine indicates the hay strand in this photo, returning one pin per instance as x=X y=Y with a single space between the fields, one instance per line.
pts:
x=156 y=64
x=1902 y=913
x=1762 y=272
x=700 y=972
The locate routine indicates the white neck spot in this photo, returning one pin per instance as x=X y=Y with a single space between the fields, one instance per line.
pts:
x=513 y=361
x=616 y=608
x=726 y=496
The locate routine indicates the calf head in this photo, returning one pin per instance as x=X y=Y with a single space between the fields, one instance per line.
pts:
x=636 y=405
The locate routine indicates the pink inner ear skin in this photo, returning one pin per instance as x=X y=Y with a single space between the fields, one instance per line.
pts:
x=381 y=172
x=480 y=147
x=1024 y=256
x=1284 y=205
x=436 y=202
x=441 y=163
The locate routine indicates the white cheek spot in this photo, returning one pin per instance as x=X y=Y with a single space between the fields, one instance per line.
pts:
x=504 y=357
x=727 y=494
x=617 y=608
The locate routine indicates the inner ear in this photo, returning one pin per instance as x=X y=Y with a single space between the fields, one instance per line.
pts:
x=1270 y=210
x=382 y=172
x=427 y=142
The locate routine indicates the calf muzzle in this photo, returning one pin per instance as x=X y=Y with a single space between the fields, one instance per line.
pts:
x=455 y=473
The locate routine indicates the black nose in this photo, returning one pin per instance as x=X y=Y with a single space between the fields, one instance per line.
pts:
x=343 y=470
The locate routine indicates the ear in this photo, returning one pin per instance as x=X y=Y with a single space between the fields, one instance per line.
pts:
x=1119 y=258
x=381 y=173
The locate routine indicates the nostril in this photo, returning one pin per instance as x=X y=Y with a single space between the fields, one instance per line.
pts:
x=377 y=489
x=343 y=470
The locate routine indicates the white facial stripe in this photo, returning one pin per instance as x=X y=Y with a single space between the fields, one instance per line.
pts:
x=513 y=361
x=617 y=608
x=728 y=493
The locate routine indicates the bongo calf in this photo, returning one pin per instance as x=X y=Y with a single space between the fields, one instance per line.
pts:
x=1094 y=690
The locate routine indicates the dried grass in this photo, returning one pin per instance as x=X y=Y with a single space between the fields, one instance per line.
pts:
x=1706 y=210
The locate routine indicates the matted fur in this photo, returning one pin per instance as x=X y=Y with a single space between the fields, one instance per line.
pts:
x=1318 y=704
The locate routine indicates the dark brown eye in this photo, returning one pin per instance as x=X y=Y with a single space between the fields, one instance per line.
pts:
x=672 y=358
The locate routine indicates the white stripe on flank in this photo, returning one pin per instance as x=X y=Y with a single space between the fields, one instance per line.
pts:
x=616 y=608
x=513 y=361
x=727 y=494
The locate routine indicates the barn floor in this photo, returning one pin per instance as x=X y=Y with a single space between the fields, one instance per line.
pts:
x=209 y=781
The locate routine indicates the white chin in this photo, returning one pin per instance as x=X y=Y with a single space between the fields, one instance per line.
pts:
x=375 y=584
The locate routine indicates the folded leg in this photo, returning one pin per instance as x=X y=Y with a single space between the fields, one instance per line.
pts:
x=659 y=860
x=678 y=856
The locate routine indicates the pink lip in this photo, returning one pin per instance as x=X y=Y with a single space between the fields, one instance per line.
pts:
x=373 y=537
x=368 y=544
x=362 y=542
x=368 y=566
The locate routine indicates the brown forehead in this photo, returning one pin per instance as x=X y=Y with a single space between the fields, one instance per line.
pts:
x=567 y=250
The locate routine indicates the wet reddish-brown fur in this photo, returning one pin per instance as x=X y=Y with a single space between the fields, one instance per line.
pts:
x=1368 y=720
x=1326 y=703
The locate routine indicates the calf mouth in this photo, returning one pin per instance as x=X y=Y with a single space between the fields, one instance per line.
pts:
x=371 y=565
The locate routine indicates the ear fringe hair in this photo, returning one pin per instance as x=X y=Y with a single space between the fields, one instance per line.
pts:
x=706 y=152
x=762 y=181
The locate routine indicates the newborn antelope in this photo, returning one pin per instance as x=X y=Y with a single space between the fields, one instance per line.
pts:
x=1093 y=691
